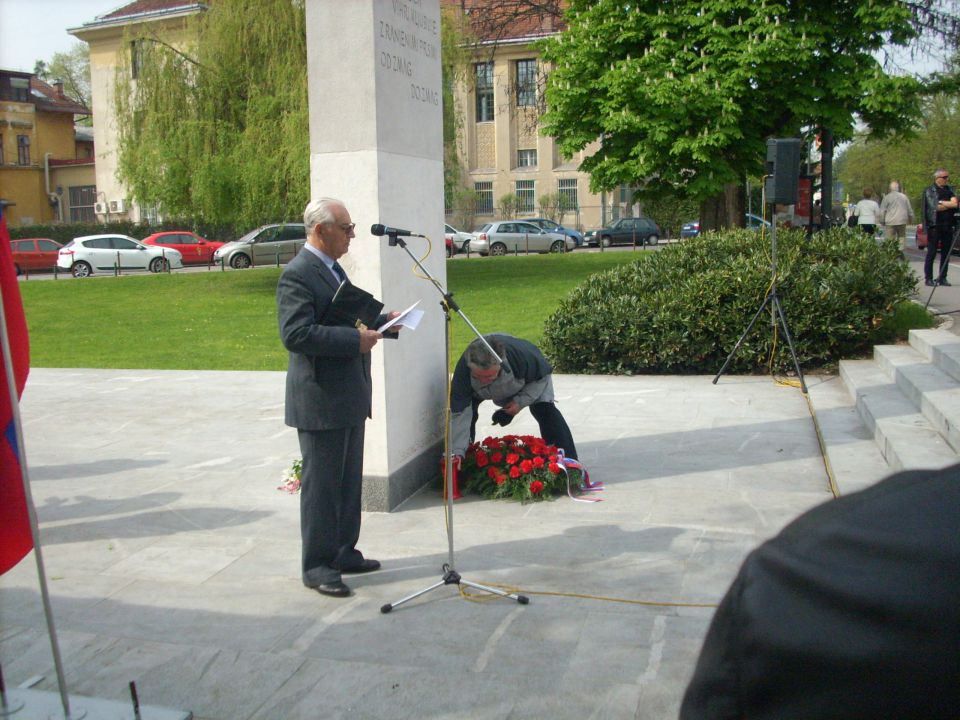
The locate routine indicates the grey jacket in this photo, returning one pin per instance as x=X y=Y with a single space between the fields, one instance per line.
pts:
x=328 y=379
x=895 y=209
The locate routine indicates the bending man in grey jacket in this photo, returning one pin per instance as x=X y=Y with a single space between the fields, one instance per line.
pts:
x=524 y=379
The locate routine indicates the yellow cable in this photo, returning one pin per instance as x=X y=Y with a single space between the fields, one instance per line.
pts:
x=429 y=250
x=473 y=597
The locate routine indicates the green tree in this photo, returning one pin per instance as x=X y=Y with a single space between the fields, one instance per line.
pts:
x=683 y=96
x=72 y=68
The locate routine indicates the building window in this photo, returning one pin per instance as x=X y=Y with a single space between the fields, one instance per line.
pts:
x=567 y=189
x=526 y=158
x=20 y=89
x=484 y=82
x=524 y=191
x=82 y=198
x=526 y=83
x=23 y=150
x=484 y=192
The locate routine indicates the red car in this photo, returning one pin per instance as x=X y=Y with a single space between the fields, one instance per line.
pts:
x=195 y=249
x=34 y=254
x=921 y=237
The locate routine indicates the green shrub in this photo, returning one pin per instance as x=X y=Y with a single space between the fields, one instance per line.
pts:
x=683 y=309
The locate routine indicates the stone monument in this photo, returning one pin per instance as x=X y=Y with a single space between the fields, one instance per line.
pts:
x=376 y=142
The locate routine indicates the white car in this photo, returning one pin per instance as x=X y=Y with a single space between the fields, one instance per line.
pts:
x=458 y=238
x=84 y=255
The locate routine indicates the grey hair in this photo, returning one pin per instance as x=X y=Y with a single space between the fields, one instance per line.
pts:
x=479 y=357
x=938 y=171
x=319 y=212
x=894 y=186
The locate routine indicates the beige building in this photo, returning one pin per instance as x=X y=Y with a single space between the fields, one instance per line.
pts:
x=111 y=48
x=501 y=148
x=46 y=172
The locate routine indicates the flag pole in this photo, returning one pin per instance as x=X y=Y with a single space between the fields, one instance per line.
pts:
x=31 y=511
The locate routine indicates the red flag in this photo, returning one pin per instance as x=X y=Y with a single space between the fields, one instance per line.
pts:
x=15 y=538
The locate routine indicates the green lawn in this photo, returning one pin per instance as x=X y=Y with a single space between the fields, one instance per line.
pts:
x=227 y=321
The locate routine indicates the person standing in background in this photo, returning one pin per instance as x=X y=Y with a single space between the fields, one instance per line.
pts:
x=938 y=208
x=867 y=211
x=895 y=214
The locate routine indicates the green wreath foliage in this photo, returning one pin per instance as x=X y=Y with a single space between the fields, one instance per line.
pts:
x=682 y=310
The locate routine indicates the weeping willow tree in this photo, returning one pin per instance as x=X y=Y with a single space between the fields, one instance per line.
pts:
x=216 y=128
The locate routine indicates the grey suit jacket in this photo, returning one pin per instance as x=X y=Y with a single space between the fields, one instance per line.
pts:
x=328 y=379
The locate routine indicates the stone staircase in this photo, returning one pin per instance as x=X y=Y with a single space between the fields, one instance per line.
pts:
x=898 y=411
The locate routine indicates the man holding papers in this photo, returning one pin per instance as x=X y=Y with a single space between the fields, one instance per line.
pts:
x=328 y=396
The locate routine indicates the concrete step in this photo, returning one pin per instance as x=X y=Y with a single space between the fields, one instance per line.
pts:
x=940 y=347
x=853 y=459
x=935 y=393
x=906 y=439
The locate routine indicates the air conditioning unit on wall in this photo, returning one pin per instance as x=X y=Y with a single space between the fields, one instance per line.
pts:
x=100 y=208
x=118 y=206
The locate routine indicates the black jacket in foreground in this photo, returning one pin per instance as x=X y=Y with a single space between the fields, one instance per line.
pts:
x=851 y=612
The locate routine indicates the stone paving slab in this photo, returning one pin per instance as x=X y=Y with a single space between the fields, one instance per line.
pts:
x=173 y=559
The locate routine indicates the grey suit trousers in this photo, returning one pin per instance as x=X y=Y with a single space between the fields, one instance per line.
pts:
x=330 y=488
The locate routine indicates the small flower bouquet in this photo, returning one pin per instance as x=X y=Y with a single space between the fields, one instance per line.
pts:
x=291 y=479
x=521 y=467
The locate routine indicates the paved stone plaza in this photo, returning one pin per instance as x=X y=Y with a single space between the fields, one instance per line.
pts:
x=173 y=559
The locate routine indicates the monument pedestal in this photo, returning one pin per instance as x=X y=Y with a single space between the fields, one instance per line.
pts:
x=376 y=143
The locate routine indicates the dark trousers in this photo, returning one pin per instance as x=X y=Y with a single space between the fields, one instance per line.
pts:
x=553 y=428
x=330 y=485
x=937 y=235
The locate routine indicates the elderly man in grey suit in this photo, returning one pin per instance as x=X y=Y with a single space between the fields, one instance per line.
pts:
x=896 y=213
x=328 y=399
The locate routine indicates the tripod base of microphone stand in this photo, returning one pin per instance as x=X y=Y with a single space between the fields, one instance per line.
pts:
x=452 y=577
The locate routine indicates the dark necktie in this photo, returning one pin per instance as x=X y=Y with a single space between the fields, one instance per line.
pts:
x=339 y=272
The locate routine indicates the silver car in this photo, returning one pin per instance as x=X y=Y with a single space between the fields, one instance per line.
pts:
x=267 y=245
x=511 y=236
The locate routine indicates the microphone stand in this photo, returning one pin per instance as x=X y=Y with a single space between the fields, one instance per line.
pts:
x=449 y=574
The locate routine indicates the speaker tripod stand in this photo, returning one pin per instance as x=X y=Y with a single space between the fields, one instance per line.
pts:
x=449 y=574
x=776 y=315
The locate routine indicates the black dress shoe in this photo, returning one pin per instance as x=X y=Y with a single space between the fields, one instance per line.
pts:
x=364 y=567
x=944 y=282
x=930 y=283
x=333 y=589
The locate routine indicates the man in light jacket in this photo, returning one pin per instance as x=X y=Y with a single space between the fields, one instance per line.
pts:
x=896 y=213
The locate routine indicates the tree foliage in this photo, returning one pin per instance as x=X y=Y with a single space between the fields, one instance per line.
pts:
x=218 y=129
x=935 y=143
x=72 y=68
x=684 y=95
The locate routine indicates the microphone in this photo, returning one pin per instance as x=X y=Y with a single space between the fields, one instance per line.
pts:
x=379 y=229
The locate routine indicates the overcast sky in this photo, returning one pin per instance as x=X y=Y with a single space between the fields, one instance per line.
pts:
x=32 y=30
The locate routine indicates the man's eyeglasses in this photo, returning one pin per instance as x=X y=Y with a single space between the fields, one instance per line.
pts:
x=346 y=227
x=943 y=177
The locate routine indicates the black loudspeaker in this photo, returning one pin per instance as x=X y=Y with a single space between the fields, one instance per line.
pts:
x=783 y=170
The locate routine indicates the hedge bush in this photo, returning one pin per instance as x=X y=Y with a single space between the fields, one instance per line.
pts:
x=681 y=310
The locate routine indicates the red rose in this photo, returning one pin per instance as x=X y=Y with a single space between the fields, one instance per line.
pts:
x=538 y=462
x=492 y=472
x=512 y=458
x=526 y=466
x=554 y=458
x=536 y=487
x=514 y=472
x=554 y=468
x=496 y=457
x=482 y=459
x=500 y=479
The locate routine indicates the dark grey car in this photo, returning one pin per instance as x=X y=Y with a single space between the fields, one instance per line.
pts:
x=626 y=231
